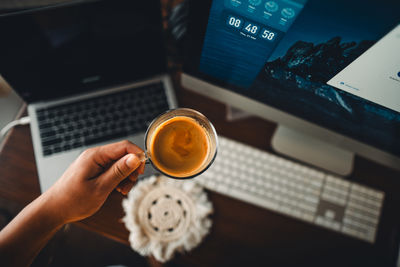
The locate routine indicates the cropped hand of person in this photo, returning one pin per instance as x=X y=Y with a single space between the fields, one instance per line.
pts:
x=86 y=184
x=79 y=193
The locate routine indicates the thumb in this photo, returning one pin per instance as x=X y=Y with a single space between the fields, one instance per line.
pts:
x=120 y=170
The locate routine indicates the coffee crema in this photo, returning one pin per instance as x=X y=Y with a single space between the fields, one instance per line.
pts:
x=179 y=146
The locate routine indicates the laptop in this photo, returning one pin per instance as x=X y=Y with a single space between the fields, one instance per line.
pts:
x=91 y=73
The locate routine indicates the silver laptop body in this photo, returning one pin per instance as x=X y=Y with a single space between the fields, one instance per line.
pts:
x=50 y=168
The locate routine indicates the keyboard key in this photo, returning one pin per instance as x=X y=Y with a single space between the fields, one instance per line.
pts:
x=40 y=112
x=77 y=144
x=41 y=118
x=45 y=125
x=50 y=142
x=48 y=134
x=93 y=140
x=47 y=152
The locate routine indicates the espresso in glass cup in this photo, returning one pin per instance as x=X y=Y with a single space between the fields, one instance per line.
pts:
x=181 y=143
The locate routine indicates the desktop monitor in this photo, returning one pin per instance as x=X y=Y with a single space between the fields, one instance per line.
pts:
x=326 y=71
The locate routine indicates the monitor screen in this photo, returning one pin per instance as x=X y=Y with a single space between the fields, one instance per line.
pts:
x=300 y=56
x=67 y=49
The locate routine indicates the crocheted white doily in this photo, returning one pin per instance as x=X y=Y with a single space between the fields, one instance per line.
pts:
x=165 y=216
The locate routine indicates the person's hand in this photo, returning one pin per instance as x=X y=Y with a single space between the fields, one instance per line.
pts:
x=86 y=184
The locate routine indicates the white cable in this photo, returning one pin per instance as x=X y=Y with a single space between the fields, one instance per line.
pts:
x=22 y=121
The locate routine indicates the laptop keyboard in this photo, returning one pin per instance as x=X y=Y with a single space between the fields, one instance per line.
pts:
x=98 y=119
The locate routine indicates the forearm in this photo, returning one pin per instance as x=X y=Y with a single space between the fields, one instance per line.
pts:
x=23 y=238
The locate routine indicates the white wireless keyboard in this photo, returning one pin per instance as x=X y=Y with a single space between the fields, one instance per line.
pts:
x=292 y=189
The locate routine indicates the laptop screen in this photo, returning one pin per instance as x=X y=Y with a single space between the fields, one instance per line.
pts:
x=64 y=50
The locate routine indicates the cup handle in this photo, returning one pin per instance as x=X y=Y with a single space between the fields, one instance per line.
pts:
x=144 y=158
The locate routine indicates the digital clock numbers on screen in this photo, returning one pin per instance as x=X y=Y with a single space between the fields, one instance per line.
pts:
x=250 y=28
x=235 y=22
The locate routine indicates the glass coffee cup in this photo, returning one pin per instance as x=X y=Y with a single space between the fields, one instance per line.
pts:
x=181 y=143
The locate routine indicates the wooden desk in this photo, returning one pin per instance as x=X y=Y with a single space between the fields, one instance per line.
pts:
x=241 y=234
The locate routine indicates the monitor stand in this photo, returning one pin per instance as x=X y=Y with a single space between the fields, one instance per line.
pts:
x=233 y=114
x=313 y=151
